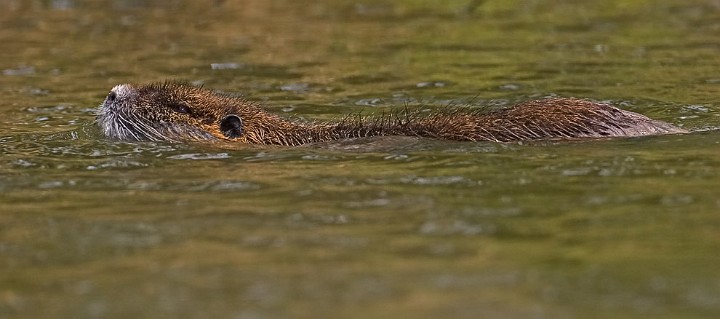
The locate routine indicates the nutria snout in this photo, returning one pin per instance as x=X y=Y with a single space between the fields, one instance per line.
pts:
x=178 y=112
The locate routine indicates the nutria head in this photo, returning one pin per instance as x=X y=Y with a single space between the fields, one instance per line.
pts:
x=169 y=111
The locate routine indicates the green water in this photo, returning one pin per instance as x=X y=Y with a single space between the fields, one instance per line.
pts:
x=379 y=228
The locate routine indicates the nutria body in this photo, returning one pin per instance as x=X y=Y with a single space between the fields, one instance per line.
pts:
x=177 y=112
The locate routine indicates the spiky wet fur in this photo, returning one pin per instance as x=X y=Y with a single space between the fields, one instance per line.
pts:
x=176 y=112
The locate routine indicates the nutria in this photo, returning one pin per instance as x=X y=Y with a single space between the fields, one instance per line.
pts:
x=176 y=112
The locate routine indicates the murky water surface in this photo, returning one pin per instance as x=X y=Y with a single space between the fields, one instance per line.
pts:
x=376 y=228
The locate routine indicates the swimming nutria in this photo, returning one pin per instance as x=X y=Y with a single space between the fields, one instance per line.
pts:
x=175 y=112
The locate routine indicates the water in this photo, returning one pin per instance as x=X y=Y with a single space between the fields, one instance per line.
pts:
x=374 y=228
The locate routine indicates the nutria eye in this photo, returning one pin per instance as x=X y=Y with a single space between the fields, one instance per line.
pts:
x=180 y=108
x=231 y=126
x=112 y=96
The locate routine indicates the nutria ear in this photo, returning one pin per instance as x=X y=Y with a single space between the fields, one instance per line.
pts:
x=231 y=126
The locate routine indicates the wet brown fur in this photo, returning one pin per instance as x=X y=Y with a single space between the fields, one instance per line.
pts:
x=173 y=111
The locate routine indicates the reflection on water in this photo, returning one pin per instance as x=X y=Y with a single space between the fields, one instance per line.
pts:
x=377 y=227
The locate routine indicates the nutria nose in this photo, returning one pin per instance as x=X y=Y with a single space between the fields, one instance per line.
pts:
x=120 y=91
x=111 y=96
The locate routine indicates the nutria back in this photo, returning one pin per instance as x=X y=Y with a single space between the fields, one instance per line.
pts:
x=178 y=112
